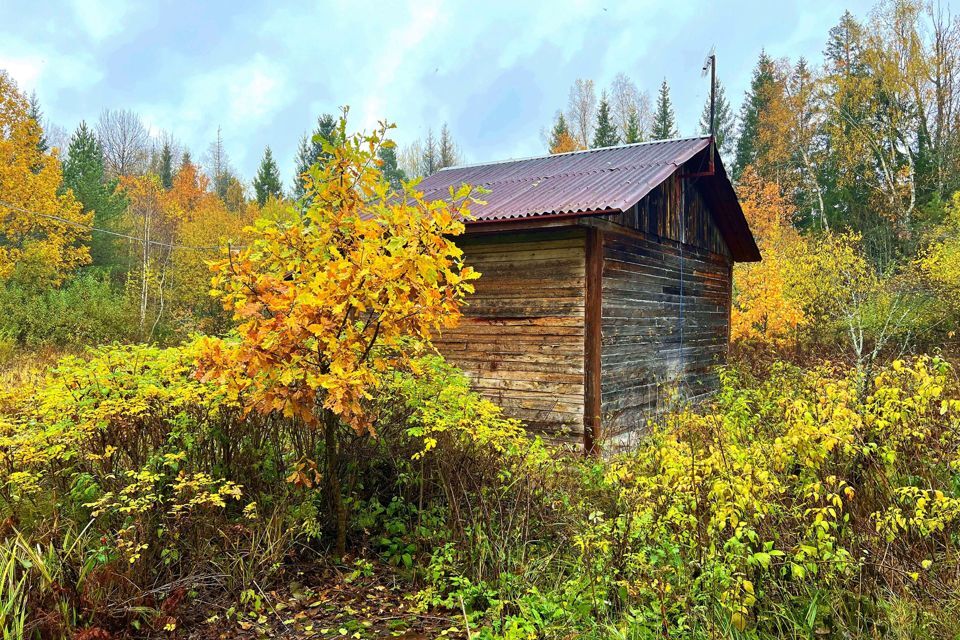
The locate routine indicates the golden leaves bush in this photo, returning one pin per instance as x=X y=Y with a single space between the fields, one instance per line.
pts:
x=110 y=432
x=329 y=297
x=799 y=482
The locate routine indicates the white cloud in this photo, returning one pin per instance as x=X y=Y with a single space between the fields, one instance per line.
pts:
x=240 y=98
x=48 y=72
x=100 y=19
x=25 y=70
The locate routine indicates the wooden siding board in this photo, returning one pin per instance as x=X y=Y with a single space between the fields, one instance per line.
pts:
x=659 y=214
x=521 y=338
x=593 y=347
x=665 y=267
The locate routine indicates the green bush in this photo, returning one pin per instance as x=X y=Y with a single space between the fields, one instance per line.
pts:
x=806 y=503
x=86 y=310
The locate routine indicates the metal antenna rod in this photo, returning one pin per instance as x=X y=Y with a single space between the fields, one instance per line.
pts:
x=713 y=94
x=711 y=61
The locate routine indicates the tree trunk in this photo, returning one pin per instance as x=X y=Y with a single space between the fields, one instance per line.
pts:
x=331 y=448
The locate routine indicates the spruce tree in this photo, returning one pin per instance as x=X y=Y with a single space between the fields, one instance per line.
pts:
x=723 y=123
x=664 y=123
x=430 y=158
x=311 y=151
x=754 y=104
x=267 y=182
x=559 y=135
x=447 y=153
x=844 y=49
x=390 y=167
x=37 y=116
x=633 y=133
x=304 y=160
x=605 y=133
x=166 y=166
x=83 y=173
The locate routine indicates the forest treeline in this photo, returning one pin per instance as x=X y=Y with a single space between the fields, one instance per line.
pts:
x=106 y=233
x=846 y=166
x=865 y=139
x=855 y=154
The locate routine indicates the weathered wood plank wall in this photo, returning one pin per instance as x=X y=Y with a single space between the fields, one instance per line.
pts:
x=665 y=305
x=521 y=339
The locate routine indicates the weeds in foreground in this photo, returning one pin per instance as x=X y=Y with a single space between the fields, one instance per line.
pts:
x=798 y=505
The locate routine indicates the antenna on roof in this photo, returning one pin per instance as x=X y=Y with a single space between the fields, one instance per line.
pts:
x=711 y=61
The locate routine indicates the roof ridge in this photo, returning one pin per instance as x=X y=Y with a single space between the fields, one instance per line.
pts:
x=570 y=174
x=570 y=153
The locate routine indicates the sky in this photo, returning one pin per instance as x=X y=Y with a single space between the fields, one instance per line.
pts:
x=496 y=72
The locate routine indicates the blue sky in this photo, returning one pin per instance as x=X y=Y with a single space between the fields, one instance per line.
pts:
x=495 y=71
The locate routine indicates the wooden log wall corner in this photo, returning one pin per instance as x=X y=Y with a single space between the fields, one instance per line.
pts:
x=593 y=340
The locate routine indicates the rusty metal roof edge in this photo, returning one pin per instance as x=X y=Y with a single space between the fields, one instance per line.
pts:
x=620 y=207
x=705 y=139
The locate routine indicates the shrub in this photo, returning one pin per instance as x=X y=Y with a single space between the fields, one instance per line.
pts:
x=85 y=310
x=809 y=491
x=807 y=502
x=137 y=474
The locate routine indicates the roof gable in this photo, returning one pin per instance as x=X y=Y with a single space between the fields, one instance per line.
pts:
x=593 y=181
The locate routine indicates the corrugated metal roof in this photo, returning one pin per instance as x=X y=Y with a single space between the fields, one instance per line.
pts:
x=594 y=181
x=612 y=178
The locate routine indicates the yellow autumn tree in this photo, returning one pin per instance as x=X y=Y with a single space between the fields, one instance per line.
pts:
x=204 y=224
x=332 y=296
x=806 y=287
x=940 y=262
x=184 y=228
x=147 y=218
x=564 y=143
x=769 y=296
x=36 y=249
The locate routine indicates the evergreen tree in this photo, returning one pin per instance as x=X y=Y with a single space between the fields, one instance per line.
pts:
x=267 y=183
x=83 y=173
x=311 y=151
x=447 y=152
x=634 y=132
x=304 y=160
x=430 y=156
x=37 y=116
x=844 y=48
x=664 y=122
x=559 y=135
x=166 y=165
x=390 y=167
x=605 y=133
x=755 y=103
x=723 y=123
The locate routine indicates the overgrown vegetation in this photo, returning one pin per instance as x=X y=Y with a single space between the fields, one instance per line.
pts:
x=222 y=417
x=808 y=502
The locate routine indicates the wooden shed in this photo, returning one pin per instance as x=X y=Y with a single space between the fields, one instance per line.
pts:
x=606 y=283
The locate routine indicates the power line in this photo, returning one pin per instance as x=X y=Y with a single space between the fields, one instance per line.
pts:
x=117 y=234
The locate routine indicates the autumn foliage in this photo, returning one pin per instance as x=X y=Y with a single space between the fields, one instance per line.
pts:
x=44 y=249
x=770 y=294
x=334 y=294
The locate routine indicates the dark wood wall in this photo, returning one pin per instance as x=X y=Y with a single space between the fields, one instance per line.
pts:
x=657 y=281
x=521 y=336
x=665 y=305
x=659 y=215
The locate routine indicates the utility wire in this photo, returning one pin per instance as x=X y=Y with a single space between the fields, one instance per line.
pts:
x=87 y=227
